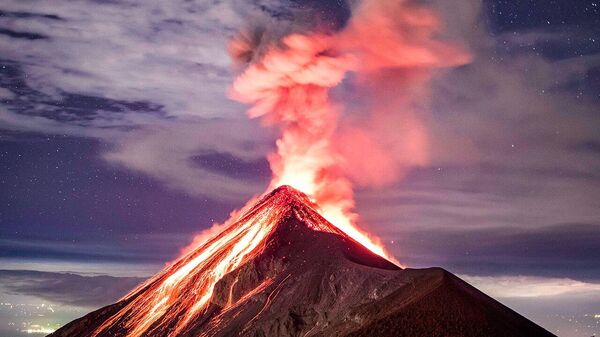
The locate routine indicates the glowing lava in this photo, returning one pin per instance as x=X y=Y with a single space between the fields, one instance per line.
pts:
x=174 y=298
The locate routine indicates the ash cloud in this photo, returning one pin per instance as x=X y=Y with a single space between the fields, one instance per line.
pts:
x=390 y=57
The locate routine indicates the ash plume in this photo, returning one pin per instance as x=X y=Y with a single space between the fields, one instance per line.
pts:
x=390 y=49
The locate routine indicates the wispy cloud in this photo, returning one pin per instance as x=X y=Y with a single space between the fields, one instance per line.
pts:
x=530 y=286
x=161 y=53
x=150 y=78
x=141 y=249
x=559 y=251
x=66 y=288
x=167 y=151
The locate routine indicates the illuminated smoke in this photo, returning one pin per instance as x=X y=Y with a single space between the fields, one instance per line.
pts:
x=288 y=81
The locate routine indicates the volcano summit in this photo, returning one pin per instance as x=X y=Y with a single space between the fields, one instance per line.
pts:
x=282 y=270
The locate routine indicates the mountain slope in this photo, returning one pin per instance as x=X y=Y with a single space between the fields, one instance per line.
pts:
x=295 y=274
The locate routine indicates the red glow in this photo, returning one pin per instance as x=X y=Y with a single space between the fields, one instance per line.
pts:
x=182 y=291
x=290 y=87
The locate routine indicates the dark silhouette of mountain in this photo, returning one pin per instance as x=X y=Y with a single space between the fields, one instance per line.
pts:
x=302 y=277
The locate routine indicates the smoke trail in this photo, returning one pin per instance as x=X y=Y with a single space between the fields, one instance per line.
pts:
x=288 y=80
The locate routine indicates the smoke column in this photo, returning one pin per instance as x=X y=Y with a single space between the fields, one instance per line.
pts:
x=288 y=80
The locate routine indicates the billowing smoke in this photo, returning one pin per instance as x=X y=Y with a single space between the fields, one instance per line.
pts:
x=390 y=49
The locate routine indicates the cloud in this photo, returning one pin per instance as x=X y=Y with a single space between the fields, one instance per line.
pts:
x=564 y=306
x=140 y=248
x=530 y=286
x=169 y=53
x=66 y=288
x=170 y=152
x=560 y=251
x=155 y=85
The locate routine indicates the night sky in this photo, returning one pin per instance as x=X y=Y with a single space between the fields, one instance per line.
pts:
x=118 y=143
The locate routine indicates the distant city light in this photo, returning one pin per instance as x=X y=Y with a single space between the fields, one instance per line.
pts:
x=36 y=329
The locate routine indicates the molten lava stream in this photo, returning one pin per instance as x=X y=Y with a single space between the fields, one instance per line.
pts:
x=183 y=290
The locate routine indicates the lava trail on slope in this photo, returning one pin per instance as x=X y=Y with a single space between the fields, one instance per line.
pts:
x=281 y=269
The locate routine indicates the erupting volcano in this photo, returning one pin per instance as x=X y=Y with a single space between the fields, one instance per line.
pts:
x=295 y=264
x=281 y=269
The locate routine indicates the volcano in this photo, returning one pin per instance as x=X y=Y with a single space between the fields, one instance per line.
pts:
x=282 y=270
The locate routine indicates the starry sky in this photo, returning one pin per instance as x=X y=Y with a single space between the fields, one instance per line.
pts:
x=118 y=143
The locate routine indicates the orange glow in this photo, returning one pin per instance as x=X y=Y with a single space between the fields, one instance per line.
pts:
x=290 y=88
x=182 y=291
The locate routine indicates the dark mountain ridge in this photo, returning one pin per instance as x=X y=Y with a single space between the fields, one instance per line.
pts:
x=307 y=278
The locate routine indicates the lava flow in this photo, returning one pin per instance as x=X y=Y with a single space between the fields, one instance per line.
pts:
x=281 y=269
x=178 y=295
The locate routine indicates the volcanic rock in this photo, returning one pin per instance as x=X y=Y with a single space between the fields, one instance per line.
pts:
x=307 y=278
